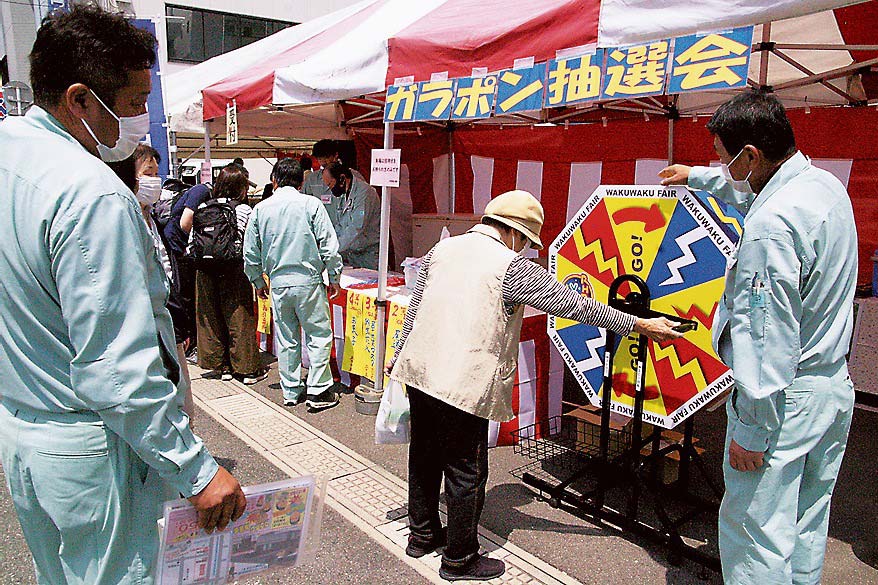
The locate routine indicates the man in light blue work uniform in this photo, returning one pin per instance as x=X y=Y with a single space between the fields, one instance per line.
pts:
x=784 y=327
x=290 y=239
x=359 y=216
x=325 y=152
x=93 y=435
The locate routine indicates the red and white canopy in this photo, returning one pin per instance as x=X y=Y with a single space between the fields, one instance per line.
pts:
x=361 y=49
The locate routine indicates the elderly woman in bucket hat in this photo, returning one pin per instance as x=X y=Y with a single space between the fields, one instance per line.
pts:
x=458 y=360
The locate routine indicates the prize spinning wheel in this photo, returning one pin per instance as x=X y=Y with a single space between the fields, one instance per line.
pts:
x=679 y=242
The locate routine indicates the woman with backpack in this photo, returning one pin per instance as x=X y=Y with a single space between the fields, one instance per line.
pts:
x=225 y=320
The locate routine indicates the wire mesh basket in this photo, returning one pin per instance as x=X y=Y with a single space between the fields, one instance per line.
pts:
x=563 y=440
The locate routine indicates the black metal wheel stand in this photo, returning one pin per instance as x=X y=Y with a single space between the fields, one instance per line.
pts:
x=630 y=470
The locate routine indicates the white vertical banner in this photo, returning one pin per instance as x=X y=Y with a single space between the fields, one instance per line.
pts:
x=530 y=177
x=441 y=188
x=527 y=384
x=840 y=168
x=646 y=170
x=483 y=181
x=556 y=381
x=493 y=433
x=338 y=334
x=584 y=179
x=401 y=218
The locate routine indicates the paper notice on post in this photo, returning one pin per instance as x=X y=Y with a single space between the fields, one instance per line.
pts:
x=270 y=534
x=385 y=167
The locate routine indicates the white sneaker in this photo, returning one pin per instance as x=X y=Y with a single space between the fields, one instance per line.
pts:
x=250 y=379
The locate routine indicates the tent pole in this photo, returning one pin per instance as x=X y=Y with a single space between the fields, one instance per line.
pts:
x=383 y=254
x=670 y=140
x=207 y=150
x=452 y=174
x=763 y=58
x=173 y=170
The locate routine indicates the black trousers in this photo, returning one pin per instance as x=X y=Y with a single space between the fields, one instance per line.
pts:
x=446 y=440
x=184 y=324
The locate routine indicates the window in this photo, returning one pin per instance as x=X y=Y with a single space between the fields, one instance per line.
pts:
x=195 y=35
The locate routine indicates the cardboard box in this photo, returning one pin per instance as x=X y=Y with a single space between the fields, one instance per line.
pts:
x=427 y=227
x=669 y=465
x=588 y=430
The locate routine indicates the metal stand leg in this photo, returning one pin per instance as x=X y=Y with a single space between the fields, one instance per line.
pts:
x=628 y=470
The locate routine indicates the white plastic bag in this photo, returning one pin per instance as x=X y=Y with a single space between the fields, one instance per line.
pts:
x=392 y=425
x=410 y=267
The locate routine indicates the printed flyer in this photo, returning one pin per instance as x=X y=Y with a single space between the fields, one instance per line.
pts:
x=269 y=534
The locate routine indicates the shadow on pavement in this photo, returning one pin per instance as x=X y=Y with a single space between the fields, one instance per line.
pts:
x=852 y=519
x=227 y=463
x=505 y=500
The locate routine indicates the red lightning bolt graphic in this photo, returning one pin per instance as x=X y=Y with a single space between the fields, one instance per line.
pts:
x=697 y=314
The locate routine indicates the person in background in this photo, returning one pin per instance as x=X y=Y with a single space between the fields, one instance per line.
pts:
x=307 y=164
x=359 y=216
x=148 y=190
x=176 y=237
x=146 y=160
x=325 y=152
x=93 y=436
x=240 y=162
x=224 y=300
x=267 y=191
x=784 y=328
x=458 y=359
x=290 y=239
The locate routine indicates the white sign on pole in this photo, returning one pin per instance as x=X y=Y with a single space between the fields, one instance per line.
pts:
x=232 y=124
x=206 y=172
x=385 y=167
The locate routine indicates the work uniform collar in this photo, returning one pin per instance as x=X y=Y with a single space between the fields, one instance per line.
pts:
x=798 y=163
x=43 y=119
x=487 y=230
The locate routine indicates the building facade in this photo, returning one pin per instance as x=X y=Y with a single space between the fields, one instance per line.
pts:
x=191 y=31
x=188 y=31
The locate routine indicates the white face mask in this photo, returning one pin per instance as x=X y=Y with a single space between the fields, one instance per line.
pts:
x=525 y=248
x=131 y=130
x=149 y=189
x=743 y=185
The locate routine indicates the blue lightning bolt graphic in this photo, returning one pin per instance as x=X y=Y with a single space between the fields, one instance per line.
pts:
x=685 y=242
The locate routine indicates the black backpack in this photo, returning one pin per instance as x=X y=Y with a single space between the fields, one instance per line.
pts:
x=161 y=210
x=215 y=242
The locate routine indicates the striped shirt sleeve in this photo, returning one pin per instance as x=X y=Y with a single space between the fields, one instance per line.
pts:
x=414 y=302
x=527 y=283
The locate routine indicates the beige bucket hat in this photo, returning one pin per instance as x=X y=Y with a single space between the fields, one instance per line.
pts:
x=519 y=210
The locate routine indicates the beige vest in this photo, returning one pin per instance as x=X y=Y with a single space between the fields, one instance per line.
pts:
x=463 y=348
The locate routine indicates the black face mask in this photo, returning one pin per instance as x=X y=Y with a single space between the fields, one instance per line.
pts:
x=338 y=190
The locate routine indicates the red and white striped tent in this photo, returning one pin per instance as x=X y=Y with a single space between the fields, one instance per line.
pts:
x=327 y=78
x=360 y=50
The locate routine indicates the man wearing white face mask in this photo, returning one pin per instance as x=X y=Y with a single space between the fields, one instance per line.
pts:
x=93 y=436
x=784 y=327
x=458 y=359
